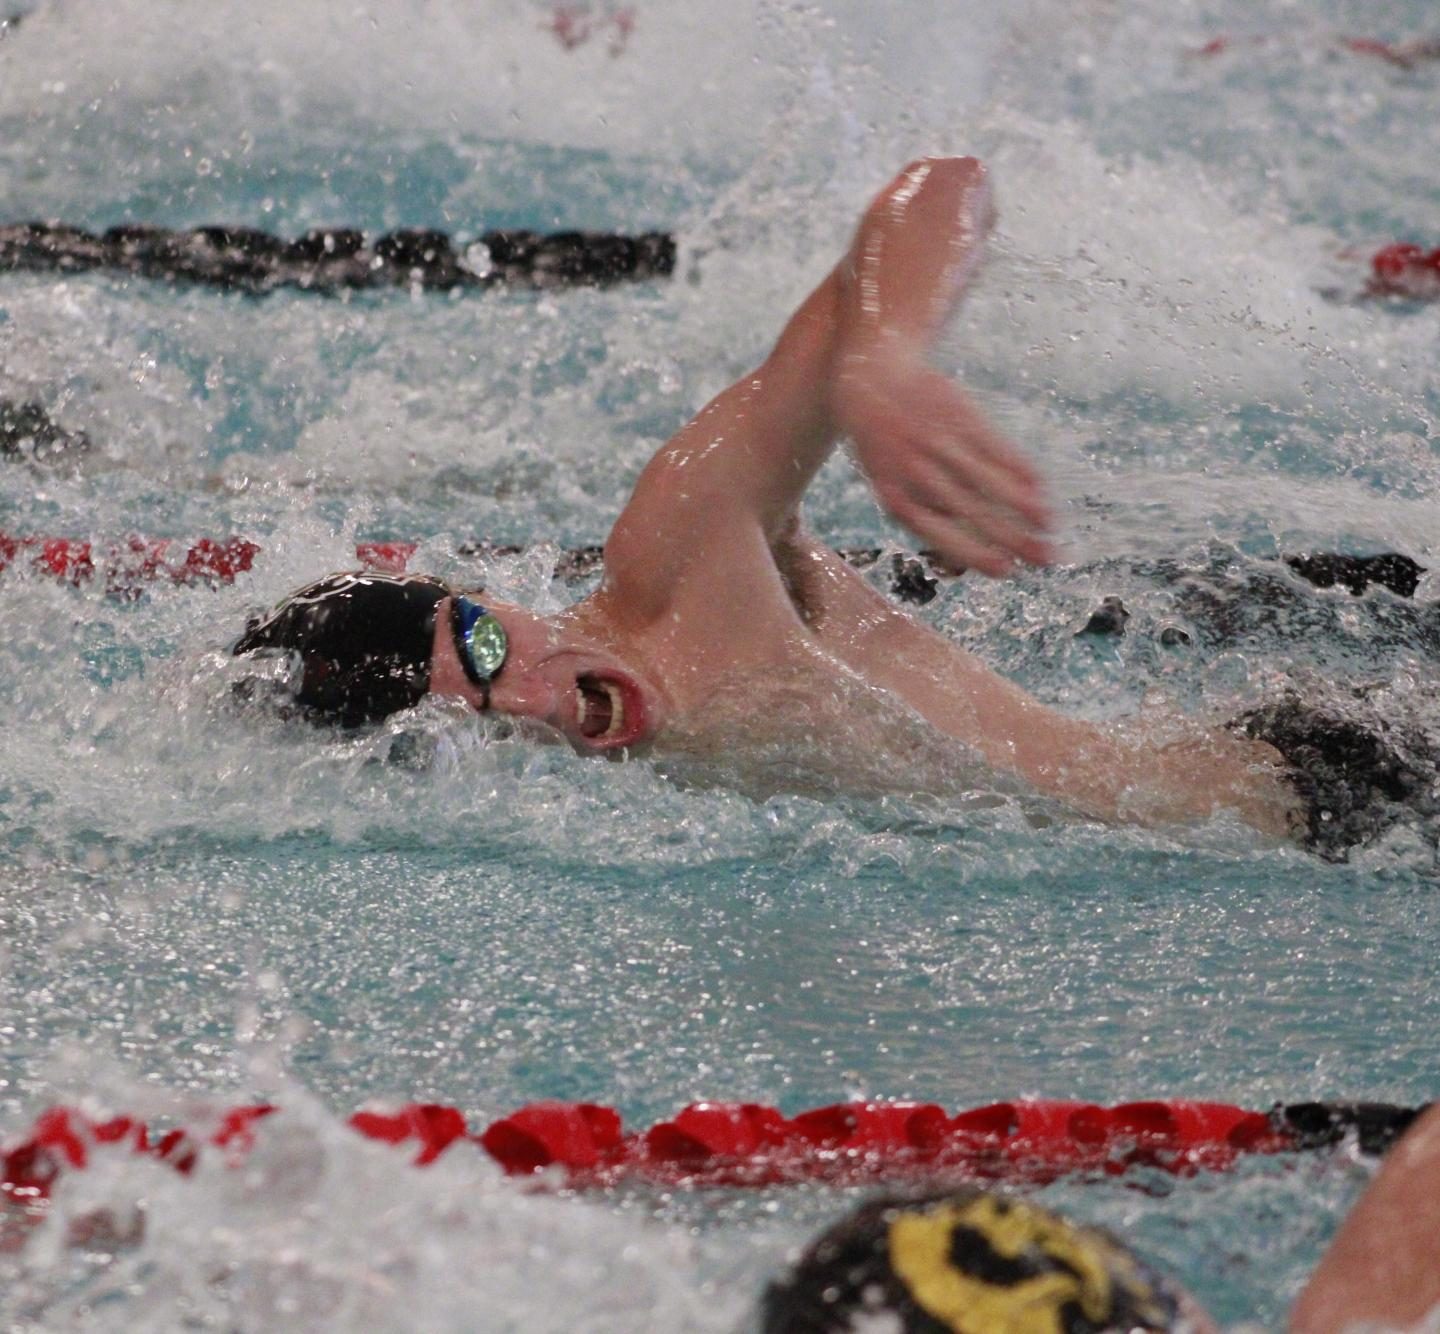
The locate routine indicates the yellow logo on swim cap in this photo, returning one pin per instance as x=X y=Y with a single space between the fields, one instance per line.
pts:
x=1079 y=1278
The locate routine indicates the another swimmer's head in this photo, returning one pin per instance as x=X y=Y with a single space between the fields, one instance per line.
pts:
x=971 y=1262
x=369 y=645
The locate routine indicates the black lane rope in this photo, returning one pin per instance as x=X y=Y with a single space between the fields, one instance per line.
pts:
x=245 y=259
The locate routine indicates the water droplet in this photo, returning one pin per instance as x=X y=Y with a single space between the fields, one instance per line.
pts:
x=478 y=259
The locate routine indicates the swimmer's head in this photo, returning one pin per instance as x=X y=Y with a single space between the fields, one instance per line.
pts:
x=368 y=645
x=971 y=1262
x=363 y=643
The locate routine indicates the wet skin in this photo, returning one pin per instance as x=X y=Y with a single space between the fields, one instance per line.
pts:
x=713 y=587
x=560 y=672
x=711 y=579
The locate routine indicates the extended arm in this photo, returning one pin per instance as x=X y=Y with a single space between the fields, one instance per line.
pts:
x=851 y=361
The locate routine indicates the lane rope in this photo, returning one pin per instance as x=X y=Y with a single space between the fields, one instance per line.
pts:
x=1406 y=55
x=1405 y=270
x=334 y=260
x=331 y=260
x=742 y=1144
x=126 y=565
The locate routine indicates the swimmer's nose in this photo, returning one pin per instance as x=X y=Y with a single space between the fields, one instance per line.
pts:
x=523 y=687
x=524 y=696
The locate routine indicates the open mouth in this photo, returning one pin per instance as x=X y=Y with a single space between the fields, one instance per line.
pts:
x=599 y=708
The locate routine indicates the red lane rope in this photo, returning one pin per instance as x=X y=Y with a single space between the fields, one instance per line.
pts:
x=126 y=565
x=1406 y=55
x=750 y=1144
x=131 y=562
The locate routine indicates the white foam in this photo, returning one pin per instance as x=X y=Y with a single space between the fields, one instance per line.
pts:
x=318 y=1227
x=1115 y=275
x=1140 y=302
x=689 y=79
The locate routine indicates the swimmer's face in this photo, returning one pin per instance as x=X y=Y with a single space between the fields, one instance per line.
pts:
x=553 y=673
x=366 y=645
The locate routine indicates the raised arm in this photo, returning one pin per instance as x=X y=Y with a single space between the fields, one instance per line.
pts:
x=852 y=361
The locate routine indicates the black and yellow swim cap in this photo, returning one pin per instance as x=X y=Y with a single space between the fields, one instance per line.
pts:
x=968 y=1262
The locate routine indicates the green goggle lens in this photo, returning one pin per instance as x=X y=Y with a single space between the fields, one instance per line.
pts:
x=480 y=640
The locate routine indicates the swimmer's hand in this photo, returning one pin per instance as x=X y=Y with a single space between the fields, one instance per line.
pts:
x=937 y=465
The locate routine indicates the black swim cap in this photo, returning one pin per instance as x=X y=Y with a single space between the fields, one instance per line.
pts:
x=969 y=1262
x=363 y=640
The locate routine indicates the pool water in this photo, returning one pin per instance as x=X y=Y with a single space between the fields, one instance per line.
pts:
x=198 y=908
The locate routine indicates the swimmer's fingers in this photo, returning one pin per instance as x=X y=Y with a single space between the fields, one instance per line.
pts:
x=973 y=455
x=966 y=532
x=980 y=486
x=976 y=515
x=967 y=526
x=944 y=472
x=961 y=551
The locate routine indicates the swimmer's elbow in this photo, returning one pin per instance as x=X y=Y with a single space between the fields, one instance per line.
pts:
x=939 y=197
x=963 y=175
x=961 y=170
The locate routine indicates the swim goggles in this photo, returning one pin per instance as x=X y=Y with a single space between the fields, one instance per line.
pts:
x=480 y=643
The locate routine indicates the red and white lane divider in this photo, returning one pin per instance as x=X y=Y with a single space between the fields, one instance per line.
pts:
x=126 y=565
x=129 y=563
x=750 y=1144
x=1405 y=270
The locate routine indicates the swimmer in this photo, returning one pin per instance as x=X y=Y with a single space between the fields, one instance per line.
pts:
x=981 y=1262
x=722 y=626
x=972 y=1261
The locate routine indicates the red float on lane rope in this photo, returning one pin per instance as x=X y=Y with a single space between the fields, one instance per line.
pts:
x=580 y=1136
x=1406 y=55
x=1405 y=270
x=132 y=562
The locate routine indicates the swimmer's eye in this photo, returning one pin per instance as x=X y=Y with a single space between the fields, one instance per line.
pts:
x=480 y=642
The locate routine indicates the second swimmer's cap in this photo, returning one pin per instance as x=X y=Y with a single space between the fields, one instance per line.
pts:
x=969 y=1262
x=363 y=641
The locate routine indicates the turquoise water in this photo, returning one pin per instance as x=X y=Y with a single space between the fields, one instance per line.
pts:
x=197 y=908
